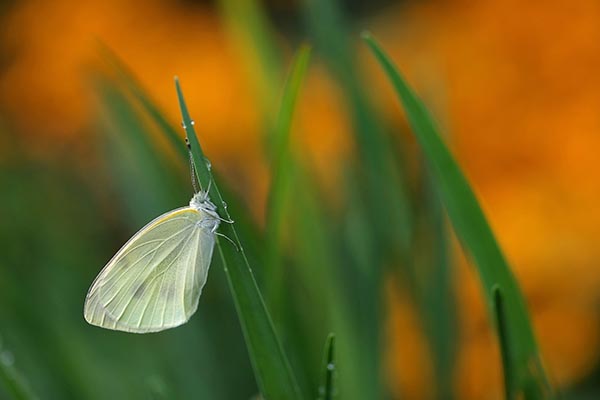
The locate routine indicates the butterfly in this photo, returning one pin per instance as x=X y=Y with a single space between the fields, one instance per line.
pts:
x=155 y=280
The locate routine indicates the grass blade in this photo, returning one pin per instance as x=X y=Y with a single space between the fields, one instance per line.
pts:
x=524 y=364
x=253 y=35
x=127 y=77
x=499 y=312
x=327 y=390
x=133 y=157
x=271 y=367
x=432 y=273
x=280 y=171
x=390 y=209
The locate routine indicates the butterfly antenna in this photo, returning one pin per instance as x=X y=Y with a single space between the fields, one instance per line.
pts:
x=192 y=167
x=208 y=187
x=229 y=239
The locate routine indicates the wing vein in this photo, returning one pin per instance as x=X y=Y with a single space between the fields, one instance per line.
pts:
x=181 y=248
x=115 y=280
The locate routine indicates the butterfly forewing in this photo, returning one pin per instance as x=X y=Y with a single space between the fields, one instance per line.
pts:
x=154 y=281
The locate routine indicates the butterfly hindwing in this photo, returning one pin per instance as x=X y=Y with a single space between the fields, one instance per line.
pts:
x=154 y=282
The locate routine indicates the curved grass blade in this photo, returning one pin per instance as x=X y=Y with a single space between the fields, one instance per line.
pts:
x=525 y=367
x=504 y=349
x=128 y=78
x=280 y=171
x=271 y=367
x=327 y=389
x=133 y=156
x=390 y=209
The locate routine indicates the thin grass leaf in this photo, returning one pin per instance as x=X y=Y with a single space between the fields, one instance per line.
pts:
x=435 y=295
x=525 y=367
x=327 y=389
x=136 y=89
x=134 y=158
x=384 y=184
x=271 y=367
x=383 y=197
x=280 y=173
x=499 y=313
x=324 y=275
x=249 y=25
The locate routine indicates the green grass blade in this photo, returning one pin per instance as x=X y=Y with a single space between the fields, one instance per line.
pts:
x=525 y=367
x=499 y=313
x=132 y=156
x=327 y=389
x=432 y=273
x=271 y=367
x=280 y=171
x=390 y=209
x=129 y=80
x=250 y=27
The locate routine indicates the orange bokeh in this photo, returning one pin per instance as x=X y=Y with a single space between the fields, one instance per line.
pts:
x=520 y=97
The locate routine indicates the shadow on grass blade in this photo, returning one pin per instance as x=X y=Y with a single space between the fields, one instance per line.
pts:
x=524 y=363
x=271 y=367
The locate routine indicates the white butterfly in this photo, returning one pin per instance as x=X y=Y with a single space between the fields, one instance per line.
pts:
x=154 y=281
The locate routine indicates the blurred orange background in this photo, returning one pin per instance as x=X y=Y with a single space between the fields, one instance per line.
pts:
x=520 y=104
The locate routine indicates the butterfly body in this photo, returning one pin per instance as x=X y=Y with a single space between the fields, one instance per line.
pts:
x=155 y=280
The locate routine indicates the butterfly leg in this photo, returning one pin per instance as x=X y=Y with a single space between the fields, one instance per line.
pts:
x=229 y=239
x=227 y=221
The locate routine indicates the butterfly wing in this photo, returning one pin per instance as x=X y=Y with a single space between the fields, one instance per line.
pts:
x=155 y=280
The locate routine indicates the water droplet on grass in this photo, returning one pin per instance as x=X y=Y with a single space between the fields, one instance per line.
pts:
x=7 y=358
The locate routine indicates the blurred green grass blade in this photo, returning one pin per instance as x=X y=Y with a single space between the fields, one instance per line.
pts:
x=136 y=89
x=389 y=204
x=12 y=380
x=436 y=297
x=137 y=164
x=324 y=274
x=327 y=389
x=250 y=27
x=271 y=367
x=499 y=313
x=280 y=171
x=525 y=367
x=281 y=136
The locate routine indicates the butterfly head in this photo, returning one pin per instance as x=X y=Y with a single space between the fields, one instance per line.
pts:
x=202 y=202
